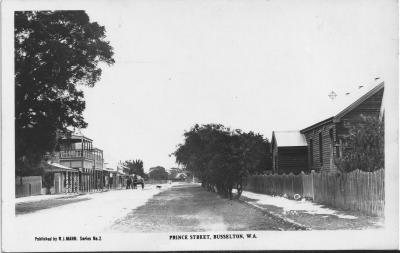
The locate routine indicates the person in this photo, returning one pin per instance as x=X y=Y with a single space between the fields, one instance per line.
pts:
x=142 y=183
x=128 y=183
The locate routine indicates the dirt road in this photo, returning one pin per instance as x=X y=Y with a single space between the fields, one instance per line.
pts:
x=188 y=208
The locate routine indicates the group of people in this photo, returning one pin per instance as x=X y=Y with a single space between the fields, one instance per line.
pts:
x=132 y=183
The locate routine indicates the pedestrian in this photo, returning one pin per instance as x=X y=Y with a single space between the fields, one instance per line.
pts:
x=133 y=183
x=142 y=183
x=128 y=183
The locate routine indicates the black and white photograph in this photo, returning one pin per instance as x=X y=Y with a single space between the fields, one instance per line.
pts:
x=199 y=125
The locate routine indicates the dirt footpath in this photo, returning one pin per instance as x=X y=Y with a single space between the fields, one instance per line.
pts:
x=189 y=208
x=29 y=207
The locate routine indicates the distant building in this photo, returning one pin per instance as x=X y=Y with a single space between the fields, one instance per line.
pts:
x=109 y=175
x=180 y=176
x=289 y=152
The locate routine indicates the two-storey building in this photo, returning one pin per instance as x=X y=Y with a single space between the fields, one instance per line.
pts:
x=77 y=152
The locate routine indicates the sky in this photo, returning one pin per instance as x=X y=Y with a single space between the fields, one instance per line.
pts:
x=254 y=65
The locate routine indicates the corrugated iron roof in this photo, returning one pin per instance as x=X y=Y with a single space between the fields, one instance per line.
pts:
x=58 y=167
x=110 y=169
x=345 y=101
x=289 y=138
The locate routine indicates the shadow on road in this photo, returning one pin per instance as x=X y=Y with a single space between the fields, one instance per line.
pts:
x=30 y=207
x=189 y=207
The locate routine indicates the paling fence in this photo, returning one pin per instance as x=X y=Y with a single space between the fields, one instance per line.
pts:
x=28 y=186
x=357 y=190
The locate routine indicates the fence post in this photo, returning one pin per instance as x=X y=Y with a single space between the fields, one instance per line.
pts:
x=312 y=184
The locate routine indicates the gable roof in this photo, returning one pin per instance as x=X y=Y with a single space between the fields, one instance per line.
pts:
x=369 y=92
x=382 y=110
x=343 y=104
x=289 y=138
x=179 y=175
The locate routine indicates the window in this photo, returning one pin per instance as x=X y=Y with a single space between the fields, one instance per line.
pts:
x=332 y=141
x=321 y=160
x=339 y=149
x=311 y=153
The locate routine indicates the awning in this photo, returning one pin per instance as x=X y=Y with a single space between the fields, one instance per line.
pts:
x=56 y=167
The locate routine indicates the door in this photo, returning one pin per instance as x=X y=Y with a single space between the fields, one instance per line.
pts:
x=57 y=182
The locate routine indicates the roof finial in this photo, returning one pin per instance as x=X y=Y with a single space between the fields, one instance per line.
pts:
x=332 y=95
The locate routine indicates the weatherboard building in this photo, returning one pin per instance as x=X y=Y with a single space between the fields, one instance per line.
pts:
x=77 y=153
x=316 y=146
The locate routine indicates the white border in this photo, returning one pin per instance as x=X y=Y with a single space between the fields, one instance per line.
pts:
x=19 y=241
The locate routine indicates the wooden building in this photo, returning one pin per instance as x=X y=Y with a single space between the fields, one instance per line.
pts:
x=121 y=179
x=289 y=152
x=325 y=138
x=64 y=179
x=108 y=175
x=58 y=178
x=77 y=152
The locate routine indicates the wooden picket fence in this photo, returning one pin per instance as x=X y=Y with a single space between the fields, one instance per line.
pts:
x=28 y=186
x=357 y=190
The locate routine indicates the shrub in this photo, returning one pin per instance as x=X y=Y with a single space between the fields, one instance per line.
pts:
x=363 y=147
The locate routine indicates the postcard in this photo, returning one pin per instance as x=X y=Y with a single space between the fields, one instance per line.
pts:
x=133 y=125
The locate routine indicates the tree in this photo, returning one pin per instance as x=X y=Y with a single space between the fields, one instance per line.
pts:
x=54 y=52
x=221 y=158
x=134 y=167
x=158 y=173
x=363 y=147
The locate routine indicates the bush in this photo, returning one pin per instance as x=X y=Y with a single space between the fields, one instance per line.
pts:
x=363 y=148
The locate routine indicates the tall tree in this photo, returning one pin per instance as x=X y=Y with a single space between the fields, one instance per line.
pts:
x=134 y=167
x=54 y=52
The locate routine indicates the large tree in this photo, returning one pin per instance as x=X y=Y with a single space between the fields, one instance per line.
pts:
x=54 y=52
x=158 y=173
x=221 y=158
